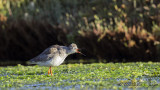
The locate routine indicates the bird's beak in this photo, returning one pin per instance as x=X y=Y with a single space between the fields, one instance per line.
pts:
x=80 y=52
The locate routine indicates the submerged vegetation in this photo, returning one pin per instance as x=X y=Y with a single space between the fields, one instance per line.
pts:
x=96 y=75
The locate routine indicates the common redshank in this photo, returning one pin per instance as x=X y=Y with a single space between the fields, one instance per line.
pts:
x=54 y=56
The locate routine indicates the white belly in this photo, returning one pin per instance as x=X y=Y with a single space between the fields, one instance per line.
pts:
x=58 y=61
x=52 y=62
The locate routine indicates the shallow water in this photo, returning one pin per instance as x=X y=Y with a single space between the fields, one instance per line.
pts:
x=101 y=76
x=125 y=86
x=78 y=87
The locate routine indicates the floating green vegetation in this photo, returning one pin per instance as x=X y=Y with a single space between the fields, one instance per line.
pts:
x=96 y=75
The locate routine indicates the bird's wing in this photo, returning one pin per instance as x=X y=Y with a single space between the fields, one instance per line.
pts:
x=41 y=58
x=46 y=55
x=52 y=49
x=55 y=49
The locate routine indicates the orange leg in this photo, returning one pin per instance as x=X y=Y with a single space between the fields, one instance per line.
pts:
x=49 y=70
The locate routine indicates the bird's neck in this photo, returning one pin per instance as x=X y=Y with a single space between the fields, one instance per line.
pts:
x=69 y=52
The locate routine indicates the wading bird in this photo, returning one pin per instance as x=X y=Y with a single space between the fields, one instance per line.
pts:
x=54 y=56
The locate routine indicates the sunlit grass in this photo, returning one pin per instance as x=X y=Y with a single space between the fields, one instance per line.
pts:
x=109 y=75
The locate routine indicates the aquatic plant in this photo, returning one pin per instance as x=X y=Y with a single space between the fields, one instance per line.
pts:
x=101 y=75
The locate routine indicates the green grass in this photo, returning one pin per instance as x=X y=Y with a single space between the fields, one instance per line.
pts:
x=99 y=75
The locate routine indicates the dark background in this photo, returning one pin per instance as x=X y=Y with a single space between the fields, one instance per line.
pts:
x=104 y=30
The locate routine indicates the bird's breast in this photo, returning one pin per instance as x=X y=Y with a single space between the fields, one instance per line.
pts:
x=57 y=61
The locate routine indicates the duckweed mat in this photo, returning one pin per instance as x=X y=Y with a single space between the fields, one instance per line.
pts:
x=82 y=76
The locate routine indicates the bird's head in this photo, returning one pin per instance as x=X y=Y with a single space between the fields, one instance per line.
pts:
x=74 y=49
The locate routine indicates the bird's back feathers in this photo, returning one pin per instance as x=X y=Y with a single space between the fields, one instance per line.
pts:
x=47 y=54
